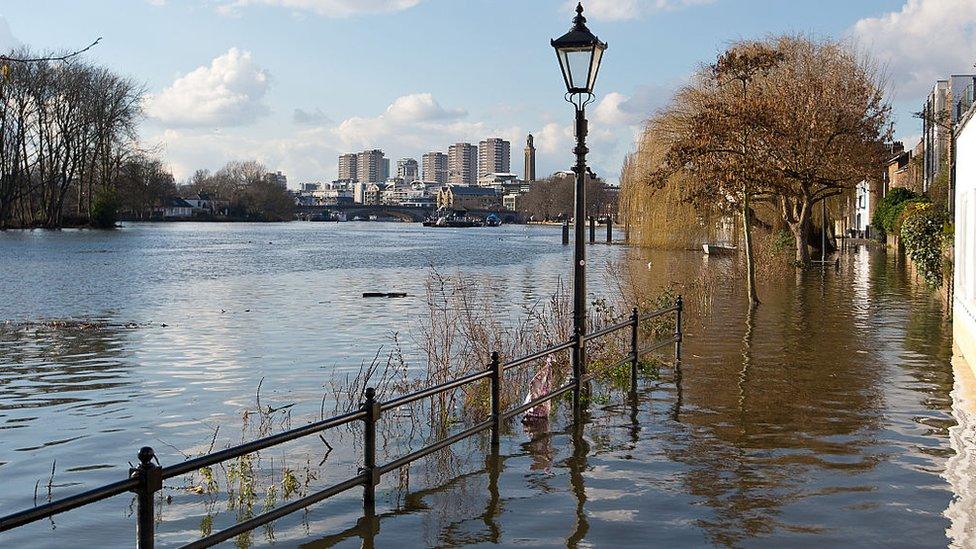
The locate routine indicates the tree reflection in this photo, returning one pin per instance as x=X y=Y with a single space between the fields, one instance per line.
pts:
x=577 y=464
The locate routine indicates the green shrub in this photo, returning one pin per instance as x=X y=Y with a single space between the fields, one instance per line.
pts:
x=889 y=210
x=105 y=209
x=907 y=209
x=923 y=234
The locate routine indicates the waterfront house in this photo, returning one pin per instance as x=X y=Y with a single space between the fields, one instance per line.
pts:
x=202 y=203
x=862 y=208
x=899 y=172
x=964 y=280
x=462 y=197
x=174 y=208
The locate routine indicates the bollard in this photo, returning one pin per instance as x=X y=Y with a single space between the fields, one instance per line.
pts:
x=496 y=399
x=609 y=230
x=634 y=359
x=680 y=305
x=592 y=229
x=565 y=233
x=372 y=409
x=150 y=477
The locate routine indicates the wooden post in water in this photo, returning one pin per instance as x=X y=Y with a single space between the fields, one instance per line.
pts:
x=610 y=230
x=565 y=233
x=634 y=353
x=592 y=229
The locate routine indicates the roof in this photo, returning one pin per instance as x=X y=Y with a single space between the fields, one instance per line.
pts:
x=176 y=203
x=472 y=191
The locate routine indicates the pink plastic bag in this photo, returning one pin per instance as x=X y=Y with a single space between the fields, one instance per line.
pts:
x=541 y=384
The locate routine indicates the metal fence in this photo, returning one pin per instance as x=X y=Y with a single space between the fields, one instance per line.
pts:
x=147 y=479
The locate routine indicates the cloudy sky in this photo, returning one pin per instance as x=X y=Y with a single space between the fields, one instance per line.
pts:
x=293 y=83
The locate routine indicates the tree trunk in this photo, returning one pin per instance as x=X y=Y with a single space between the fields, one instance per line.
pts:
x=801 y=236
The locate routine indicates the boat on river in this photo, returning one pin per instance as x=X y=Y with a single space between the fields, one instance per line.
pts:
x=718 y=249
x=452 y=218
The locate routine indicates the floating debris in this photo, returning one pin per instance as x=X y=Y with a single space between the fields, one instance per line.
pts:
x=384 y=294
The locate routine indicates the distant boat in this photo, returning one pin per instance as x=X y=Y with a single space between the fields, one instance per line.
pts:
x=453 y=219
x=718 y=249
x=493 y=220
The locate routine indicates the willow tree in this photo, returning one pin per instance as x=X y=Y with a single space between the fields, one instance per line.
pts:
x=806 y=123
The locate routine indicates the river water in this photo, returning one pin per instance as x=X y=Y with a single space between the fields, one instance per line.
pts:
x=831 y=415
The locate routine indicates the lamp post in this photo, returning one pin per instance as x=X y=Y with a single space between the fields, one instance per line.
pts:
x=579 y=53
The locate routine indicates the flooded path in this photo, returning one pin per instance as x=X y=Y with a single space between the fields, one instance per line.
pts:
x=830 y=416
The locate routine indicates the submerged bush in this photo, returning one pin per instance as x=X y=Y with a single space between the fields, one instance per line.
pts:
x=923 y=231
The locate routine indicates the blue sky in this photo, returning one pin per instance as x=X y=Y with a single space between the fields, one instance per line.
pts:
x=295 y=82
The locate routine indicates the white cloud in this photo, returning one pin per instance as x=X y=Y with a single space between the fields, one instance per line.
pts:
x=229 y=92
x=415 y=120
x=329 y=8
x=420 y=107
x=555 y=139
x=617 y=109
x=306 y=155
x=923 y=42
x=623 y=10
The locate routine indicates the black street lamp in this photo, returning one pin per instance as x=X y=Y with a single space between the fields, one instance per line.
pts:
x=579 y=53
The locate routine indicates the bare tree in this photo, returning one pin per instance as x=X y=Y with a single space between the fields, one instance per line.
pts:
x=65 y=130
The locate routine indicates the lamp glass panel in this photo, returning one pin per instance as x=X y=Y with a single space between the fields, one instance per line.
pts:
x=578 y=61
x=564 y=66
x=594 y=67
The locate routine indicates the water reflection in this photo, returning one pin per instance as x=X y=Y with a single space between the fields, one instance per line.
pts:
x=826 y=415
x=807 y=420
x=577 y=465
x=960 y=468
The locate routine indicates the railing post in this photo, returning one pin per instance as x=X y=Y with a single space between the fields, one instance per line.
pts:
x=634 y=358
x=150 y=477
x=372 y=409
x=592 y=229
x=679 y=306
x=496 y=400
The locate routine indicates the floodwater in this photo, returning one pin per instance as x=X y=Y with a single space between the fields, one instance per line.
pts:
x=829 y=416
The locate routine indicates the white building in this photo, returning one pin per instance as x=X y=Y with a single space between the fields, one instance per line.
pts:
x=494 y=156
x=860 y=212
x=462 y=164
x=435 y=167
x=408 y=169
x=964 y=290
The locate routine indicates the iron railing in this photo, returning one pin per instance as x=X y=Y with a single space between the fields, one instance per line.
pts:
x=147 y=479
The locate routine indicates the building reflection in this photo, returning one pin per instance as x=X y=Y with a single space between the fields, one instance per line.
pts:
x=960 y=469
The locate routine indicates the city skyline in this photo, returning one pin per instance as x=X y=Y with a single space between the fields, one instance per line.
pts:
x=231 y=80
x=491 y=155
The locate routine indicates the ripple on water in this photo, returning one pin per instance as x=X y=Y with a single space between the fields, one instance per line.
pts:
x=828 y=417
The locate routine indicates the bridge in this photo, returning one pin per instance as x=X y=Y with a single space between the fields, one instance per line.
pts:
x=408 y=214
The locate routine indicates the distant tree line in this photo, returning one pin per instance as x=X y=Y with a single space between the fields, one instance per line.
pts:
x=552 y=199
x=69 y=154
x=245 y=189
